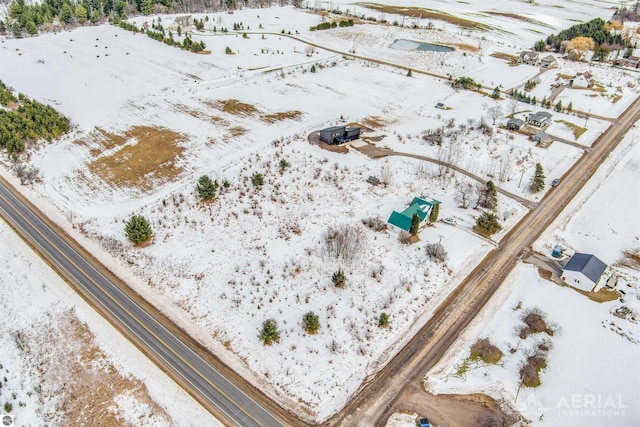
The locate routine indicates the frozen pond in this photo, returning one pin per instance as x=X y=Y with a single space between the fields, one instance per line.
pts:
x=403 y=44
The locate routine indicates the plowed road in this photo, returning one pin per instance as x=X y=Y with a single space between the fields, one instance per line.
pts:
x=378 y=399
x=205 y=382
x=201 y=376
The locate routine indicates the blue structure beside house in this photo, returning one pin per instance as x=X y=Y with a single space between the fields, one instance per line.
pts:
x=418 y=205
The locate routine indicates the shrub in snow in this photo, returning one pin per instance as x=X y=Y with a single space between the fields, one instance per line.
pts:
x=269 y=333
x=487 y=352
x=338 y=278
x=311 y=322
x=404 y=237
x=534 y=323
x=257 y=179
x=375 y=223
x=487 y=224
x=206 y=188
x=137 y=229
x=436 y=252
x=343 y=243
x=383 y=321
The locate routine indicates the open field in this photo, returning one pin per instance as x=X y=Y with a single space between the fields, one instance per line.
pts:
x=260 y=252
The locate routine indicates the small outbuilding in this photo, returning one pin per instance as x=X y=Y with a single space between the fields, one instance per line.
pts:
x=549 y=61
x=515 y=124
x=583 y=271
x=541 y=138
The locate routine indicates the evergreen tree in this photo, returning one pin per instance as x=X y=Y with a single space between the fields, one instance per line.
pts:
x=146 y=7
x=496 y=92
x=81 y=13
x=488 y=223
x=3 y=27
x=537 y=184
x=540 y=45
x=570 y=107
x=383 y=321
x=206 y=188
x=137 y=229
x=415 y=224
x=409 y=73
x=311 y=322
x=435 y=211
x=66 y=14
x=559 y=106
x=269 y=333
x=257 y=179
x=31 y=28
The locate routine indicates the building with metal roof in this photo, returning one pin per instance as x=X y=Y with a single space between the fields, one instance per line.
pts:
x=583 y=271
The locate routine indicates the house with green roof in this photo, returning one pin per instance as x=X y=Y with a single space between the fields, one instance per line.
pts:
x=420 y=206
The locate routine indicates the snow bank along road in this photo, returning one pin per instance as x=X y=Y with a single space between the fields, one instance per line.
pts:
x=382 y=396
x=207 y=384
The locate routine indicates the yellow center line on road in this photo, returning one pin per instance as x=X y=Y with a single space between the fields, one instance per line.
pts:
x=124 y=309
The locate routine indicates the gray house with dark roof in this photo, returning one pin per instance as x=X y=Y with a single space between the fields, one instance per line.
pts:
x=540 y=119
x=583 y=271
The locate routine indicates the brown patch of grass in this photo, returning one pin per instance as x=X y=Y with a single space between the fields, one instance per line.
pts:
x=374 y=122
x=505 y=56
x=76 y=375
x=487 y=352
x=519 y=17
x=425 y=14
x=278 y=117
x=545 y=274
x=151 y=158
x=603 y=295
x=236 y=131
x=577 y=130
x=631 y=259
x=235 y=107
x=465 y=46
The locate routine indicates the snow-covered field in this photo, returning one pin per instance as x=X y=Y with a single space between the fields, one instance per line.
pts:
x=221 y=269
x=590 y=379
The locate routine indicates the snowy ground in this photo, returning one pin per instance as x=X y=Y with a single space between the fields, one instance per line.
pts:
x=588 y=381
x=255 y=254
x=43 y=322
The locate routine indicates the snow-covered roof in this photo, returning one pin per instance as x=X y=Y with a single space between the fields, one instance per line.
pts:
x=589 y=265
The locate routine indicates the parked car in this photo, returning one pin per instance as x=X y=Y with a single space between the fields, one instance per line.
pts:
x=450 y=221
x=424 y=422
x=555 y=182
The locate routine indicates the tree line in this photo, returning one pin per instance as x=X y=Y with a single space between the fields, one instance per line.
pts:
x=31 y=18
x=23 y=119
x=597 y=30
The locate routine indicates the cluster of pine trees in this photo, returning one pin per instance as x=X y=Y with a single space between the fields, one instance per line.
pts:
x=30 y=18
x=23 y=119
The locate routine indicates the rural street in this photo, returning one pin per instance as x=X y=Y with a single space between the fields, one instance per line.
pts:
x=379 y=398
x=162 y=345
x=222 y=391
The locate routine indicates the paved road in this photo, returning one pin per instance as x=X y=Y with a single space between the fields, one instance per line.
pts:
x=377 y=399
x=229 y=403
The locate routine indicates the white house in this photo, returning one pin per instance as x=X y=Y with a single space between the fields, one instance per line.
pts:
x=583 y=271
